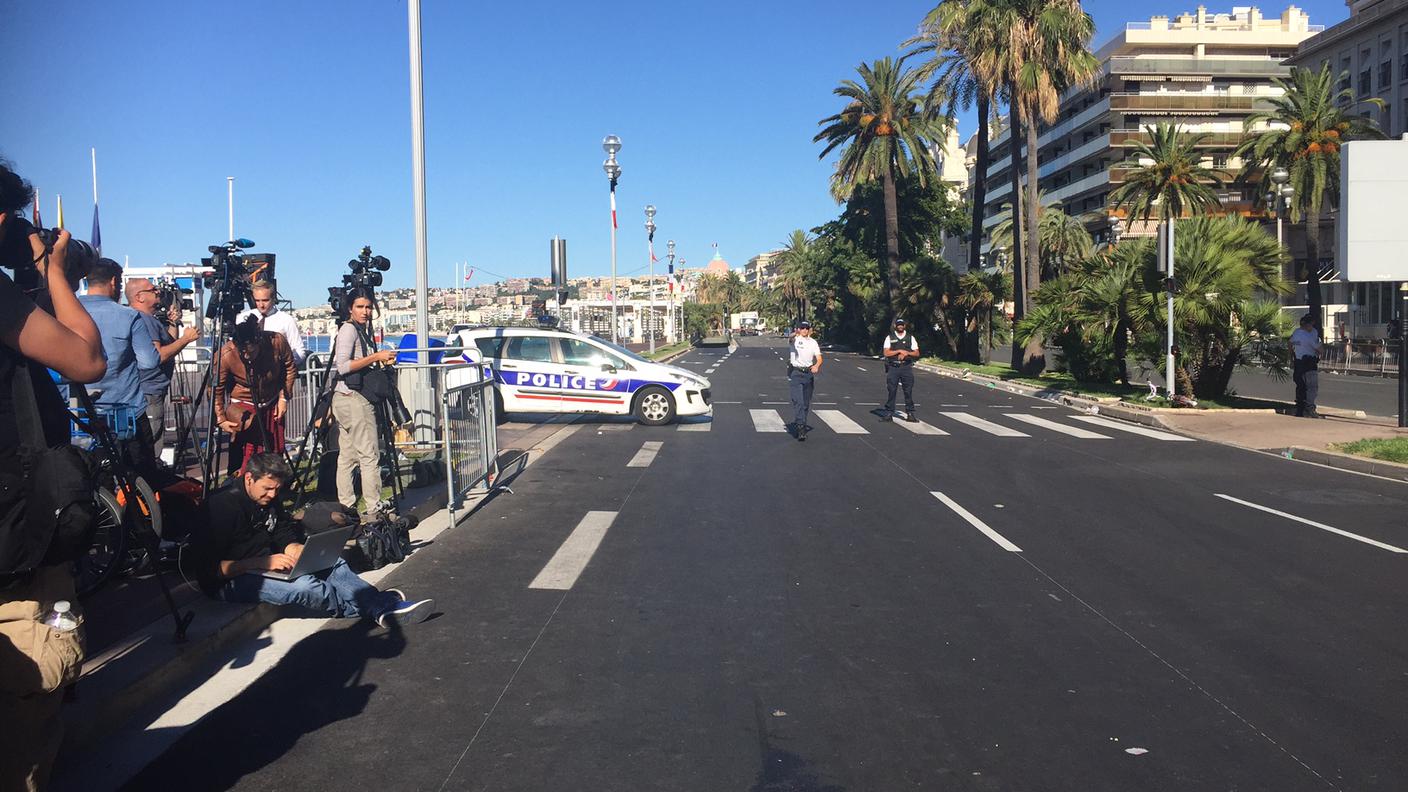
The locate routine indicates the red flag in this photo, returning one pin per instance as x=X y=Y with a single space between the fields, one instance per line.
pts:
x=469 y=274
x=613 y=209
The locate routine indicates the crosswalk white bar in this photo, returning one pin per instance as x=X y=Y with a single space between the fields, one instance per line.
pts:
x=646 y=454
x=1322 y=526
x=1132 y=428
x=921 y=428
x=840 y=423
x=767 y=421
x=984 y=425
x=700 y=426
x=1073 y=431
x=566 y=565
x=976 y=523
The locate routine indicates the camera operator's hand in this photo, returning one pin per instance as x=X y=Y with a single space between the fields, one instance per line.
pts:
x=385 y=356
x=56 y=255
x=190 y=334
x=173 y=314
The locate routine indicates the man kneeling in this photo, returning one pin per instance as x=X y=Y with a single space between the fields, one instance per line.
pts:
x=245 y=533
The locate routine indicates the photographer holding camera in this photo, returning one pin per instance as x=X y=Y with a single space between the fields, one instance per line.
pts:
x=38 y=329
x=355 y=394
x=143 y=297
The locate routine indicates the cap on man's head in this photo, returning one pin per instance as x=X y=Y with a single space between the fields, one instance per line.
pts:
x=804 y=325
x=899 y=321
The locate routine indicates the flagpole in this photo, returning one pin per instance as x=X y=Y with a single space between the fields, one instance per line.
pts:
x=97 y=240
x=94 y=152
x=230 y=203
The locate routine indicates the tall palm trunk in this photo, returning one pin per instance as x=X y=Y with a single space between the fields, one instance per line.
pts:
x=1019 y=296
x=980 y=200
x=892 y=240
x=1312 y=269
x=1033 y=356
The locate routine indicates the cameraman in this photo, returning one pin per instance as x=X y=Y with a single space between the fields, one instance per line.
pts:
x=36 y=661
x=155 y=382
x=273 y=320
x=128 y=347
x=357 y=438
x=257 y=374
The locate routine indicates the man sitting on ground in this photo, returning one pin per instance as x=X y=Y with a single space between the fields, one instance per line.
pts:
x=245 y=532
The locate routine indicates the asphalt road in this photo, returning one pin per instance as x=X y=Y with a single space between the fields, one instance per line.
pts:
x=1067 y=613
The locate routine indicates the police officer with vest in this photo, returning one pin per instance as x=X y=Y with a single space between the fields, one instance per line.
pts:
x=901 y=350
x=802 y=366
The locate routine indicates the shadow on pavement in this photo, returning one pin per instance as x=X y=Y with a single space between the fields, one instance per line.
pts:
x=317 y=683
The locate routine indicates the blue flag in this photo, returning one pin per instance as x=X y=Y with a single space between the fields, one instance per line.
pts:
x=97 y=240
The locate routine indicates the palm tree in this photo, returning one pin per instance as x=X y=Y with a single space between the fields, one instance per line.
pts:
x=980 y=293
x=1166 y=177
x=1304 y=130
x=883 y=133
x=962 y=77
x=1062 y=239
x=793 y=262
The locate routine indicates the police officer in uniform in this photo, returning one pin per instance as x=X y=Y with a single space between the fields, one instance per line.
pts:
x=802 y=366
x=901 y=350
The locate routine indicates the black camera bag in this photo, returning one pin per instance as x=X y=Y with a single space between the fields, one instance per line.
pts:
x=47 y=509
x=374 y=384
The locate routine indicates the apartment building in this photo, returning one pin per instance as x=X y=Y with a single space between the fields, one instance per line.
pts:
x=1369 y=54
x=761 y=269
x=1203 y=71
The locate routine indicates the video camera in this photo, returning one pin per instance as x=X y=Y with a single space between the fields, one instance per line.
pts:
x=232 y=277
x=365 y=274
x=17 y=255
x=169 y=294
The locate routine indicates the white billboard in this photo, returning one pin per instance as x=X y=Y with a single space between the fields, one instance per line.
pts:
x=1373 y=227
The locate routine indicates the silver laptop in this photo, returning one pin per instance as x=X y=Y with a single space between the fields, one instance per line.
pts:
x=320 y=552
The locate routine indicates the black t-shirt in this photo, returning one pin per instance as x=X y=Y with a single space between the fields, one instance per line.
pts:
x=233 y=527
x=15 y=308
x=907 y=343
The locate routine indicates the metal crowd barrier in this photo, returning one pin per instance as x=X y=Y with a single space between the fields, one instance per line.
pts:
x=469 y=435
x=1366 y=357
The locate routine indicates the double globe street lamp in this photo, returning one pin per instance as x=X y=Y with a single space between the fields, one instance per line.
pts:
x=650 y=254
x=1279 y=197
x=612 y=144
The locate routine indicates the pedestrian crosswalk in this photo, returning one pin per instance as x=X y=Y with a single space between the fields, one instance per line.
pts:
x=838 y=422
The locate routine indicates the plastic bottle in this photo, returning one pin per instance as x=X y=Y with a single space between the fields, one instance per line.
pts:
x=61 y=618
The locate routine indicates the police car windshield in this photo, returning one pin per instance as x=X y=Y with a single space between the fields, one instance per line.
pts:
x=619 y=349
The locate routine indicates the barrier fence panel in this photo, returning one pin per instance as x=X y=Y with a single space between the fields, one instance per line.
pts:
x=469 y=435
x=1366 y=357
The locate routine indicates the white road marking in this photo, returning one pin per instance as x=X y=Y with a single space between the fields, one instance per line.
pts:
x=728 y=402
x=921 y=428
x=867 y=404
x=767 y=421
x=840 y=423
x=976 y=523
x=646 y=454
x=1073 y=431
x=576 y=552
x=984 y=425
x=711 y=370
x=1131 y=428
x=701 y=426
x=1356 y=537
x=860 y=368
x=777 y=402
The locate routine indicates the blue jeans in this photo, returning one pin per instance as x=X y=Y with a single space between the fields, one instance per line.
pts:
x=801 y=383
x=338 y=591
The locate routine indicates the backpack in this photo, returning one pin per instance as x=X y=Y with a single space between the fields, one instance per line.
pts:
x=384 y=541
x=47 y=508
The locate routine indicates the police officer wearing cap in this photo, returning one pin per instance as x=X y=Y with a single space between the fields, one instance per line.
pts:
x=901 y=350
x=802 y=366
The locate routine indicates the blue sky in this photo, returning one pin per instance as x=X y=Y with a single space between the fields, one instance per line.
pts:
x=307 y=105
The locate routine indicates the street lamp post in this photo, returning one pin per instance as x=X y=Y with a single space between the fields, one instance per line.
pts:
x=670 y=254
x=1116 y=230
x=1278 y=196
x=612 y=144
x=650 y=253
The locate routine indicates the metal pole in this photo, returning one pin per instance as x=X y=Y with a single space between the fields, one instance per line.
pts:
x=1172 y=379
x=614 y=335
x=418 y=179
x=1402 y=355
x=230 y=203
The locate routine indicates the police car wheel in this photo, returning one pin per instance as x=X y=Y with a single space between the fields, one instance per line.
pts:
x=655 y=406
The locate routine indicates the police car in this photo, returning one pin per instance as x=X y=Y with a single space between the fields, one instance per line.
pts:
x=546 y=370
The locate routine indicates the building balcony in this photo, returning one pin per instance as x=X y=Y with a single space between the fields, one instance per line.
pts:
x=1061 y=129
x=1126 y=137
x=1219 y=67
x=1209 y=103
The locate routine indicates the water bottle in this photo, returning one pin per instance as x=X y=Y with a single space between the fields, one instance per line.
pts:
x=61 y=618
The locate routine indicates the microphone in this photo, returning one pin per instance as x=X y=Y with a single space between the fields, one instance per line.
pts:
x=243 y=243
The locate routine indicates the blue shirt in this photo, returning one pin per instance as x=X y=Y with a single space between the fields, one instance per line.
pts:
x=156 y=381
x=127 y=345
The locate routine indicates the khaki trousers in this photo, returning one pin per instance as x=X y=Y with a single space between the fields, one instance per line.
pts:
x=357 y=448
x=36 y=662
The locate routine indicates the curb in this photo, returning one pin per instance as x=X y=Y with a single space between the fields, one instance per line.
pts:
x=119 y=683
x=1373 y=467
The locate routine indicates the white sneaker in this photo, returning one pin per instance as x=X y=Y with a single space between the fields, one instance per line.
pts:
x=407 y=613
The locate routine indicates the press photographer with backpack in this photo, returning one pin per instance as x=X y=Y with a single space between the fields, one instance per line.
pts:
x=42 y=529
x=357 y=390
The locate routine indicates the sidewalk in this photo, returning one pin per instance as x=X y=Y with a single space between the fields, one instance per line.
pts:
x=1302 y=439
x=135 y=667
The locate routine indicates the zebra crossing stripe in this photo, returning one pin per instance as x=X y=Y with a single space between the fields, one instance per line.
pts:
x=984 y=425
x=840 y=423
x=1132 y=428
x=921 y=428
x=701 y=426
x=767 y=421
x=1084 y=434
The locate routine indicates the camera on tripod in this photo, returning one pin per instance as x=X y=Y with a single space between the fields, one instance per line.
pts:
x=365 y=274
x=78 y=259
x=232 y=278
